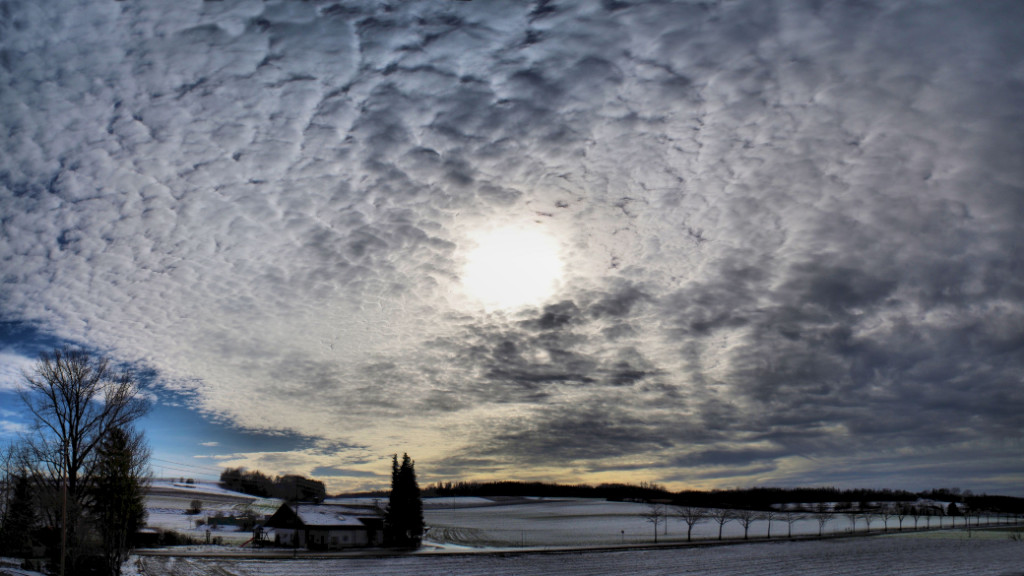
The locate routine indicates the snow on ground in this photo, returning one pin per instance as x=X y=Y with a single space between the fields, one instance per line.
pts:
x=934 y=554
x=12 y=567
x=586 y=522
x=446 y=502
x=168 y=501
x=358 y=501
x=499 y=523
x=196 y=487
x=464 y=502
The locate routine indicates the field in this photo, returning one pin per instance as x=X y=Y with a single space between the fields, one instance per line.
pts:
x=905 y=555
x=516 y=523
x=470 y=536
x=167 y=502
x=538 y=523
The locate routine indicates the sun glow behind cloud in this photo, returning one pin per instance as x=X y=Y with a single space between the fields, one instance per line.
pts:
x=510 y=268
x=764 y=228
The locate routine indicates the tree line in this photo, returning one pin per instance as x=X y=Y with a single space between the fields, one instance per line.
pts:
x=640 y=492
x=757 y=498
x=891 y=514
x=289 y=487
x=72 y=491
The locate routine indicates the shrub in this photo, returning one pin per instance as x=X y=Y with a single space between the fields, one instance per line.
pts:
x=172 y=538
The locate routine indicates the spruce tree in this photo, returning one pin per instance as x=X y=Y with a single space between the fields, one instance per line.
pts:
x=403 y=520
x=20 y=520
x=118 y=507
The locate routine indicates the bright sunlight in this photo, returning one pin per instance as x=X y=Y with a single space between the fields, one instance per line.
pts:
x=511 y=268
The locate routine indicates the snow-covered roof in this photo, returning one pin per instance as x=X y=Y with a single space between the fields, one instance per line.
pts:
x=327 y=515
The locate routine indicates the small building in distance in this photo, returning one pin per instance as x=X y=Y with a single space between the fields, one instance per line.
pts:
x=326 y=526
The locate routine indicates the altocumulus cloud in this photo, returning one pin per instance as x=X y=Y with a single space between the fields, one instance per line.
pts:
x=791 y=231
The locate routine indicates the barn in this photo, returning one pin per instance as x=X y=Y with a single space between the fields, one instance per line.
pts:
x=326 y=526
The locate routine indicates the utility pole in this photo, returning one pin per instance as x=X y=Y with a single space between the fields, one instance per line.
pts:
x=64 y=525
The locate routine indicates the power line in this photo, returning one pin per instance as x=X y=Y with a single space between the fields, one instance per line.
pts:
x=189 y=466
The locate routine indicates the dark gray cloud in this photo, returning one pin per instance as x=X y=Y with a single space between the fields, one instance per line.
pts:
x=790 y=231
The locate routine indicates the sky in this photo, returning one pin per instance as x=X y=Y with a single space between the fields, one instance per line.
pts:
x=707 y=244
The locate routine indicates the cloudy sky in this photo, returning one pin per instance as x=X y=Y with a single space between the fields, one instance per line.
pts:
x=700 y=243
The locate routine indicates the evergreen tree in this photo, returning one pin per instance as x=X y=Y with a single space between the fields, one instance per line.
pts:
x=118 y=507
x=403 y=520
x=19 y=520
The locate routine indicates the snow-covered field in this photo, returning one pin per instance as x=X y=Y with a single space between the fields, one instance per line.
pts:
x=494 y=530
x=585 y=522
x=932 y=554
x=525 y=522
x=167 y=502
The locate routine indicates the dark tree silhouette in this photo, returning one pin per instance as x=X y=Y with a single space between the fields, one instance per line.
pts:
x=853 y=515
x=118 y=507
x=403 y=520
x=822 y=513
x=770 y=516
x=902 y=510
x=721 y=516
x=746 y=518
x=692 y=516
x=656 y=514
x=790 y=517
x=19 y=517
x=75 y=401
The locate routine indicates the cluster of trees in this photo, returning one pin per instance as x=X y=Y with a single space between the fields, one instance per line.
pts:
x=73 y=490
x=290 y=487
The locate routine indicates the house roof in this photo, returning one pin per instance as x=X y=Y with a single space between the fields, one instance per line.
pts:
x=322 y=516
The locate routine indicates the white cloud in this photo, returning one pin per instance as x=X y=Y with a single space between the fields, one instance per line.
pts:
x=10 y=428
x=270 y=203
x=13 y=367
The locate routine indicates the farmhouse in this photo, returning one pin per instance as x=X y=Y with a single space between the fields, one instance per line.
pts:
x=326 y=526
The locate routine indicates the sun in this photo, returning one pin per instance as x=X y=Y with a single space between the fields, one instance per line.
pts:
x=511 y=268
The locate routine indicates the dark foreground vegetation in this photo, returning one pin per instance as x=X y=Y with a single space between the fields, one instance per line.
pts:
x=71 y=491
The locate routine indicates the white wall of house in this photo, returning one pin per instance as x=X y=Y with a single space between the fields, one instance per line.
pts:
x=333 y=539
x=286 y=536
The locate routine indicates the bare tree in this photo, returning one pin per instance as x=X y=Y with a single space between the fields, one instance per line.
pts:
x=721 y=516
x=823 y=514
x=746 y=518
x=770 y=515
x=75 y=401
x=887 y=513
x=853 y=515
x=915 y=513
x=692 y=516
x=790 y=517
x=655 y=514
x=902 y=509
